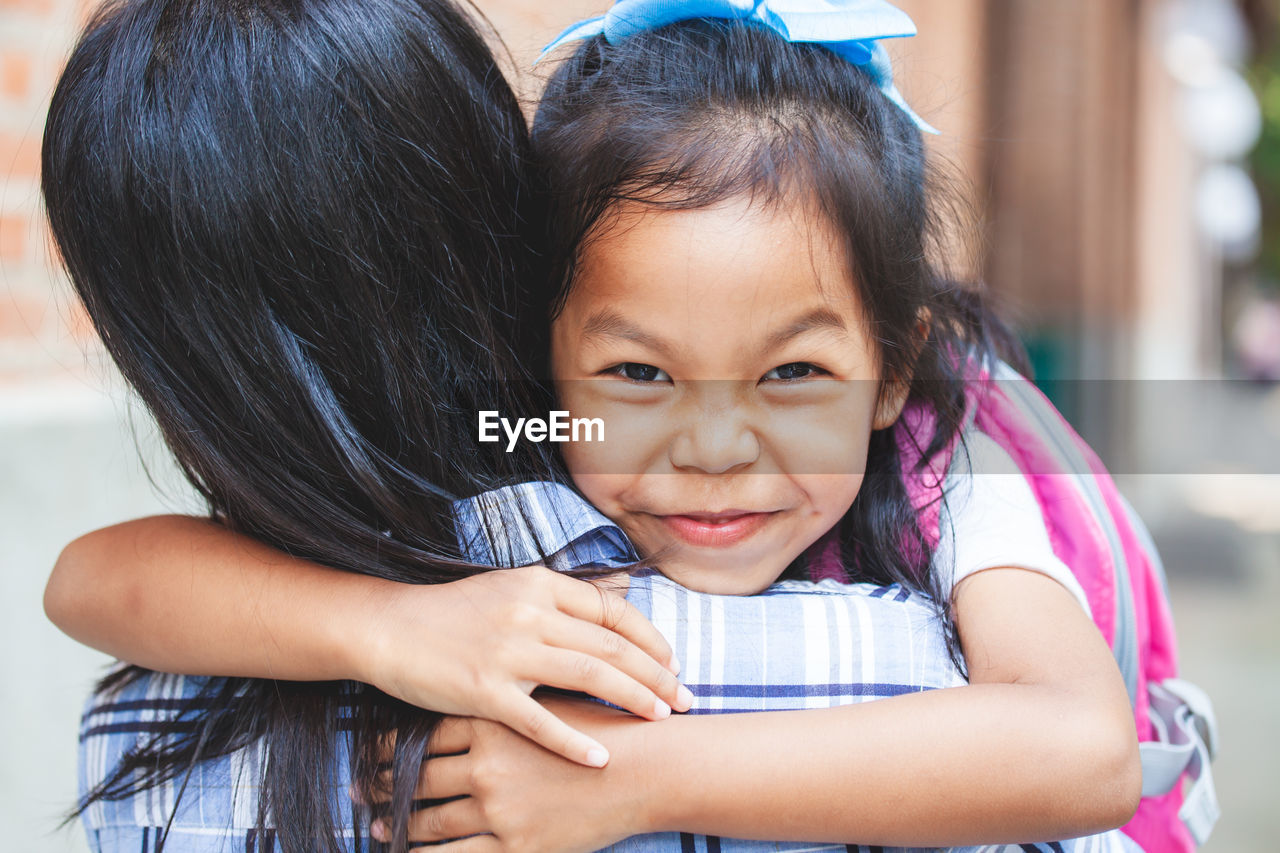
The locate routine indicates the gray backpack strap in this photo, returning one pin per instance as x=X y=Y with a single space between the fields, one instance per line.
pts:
x=1181 y=714
x=1185 y=726
x=1125 y=648
x=1186 y=741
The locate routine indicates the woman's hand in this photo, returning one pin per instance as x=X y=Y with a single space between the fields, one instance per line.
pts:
x=516 y=796
x=478 y=647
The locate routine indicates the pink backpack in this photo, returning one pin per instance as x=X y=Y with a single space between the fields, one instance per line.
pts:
x=1096 y=533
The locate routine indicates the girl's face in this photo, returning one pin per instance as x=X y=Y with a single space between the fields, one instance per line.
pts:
x=727 y=354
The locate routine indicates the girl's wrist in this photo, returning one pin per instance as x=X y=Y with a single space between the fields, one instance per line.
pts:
x=403 y=639
x=356 y=637
x=643 y=764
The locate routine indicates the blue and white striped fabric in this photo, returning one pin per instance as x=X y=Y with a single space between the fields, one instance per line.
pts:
x=806 y=645
x=796 y=645
x=213 y=810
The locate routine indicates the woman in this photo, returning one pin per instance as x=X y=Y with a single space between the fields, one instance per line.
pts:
x=303 y=232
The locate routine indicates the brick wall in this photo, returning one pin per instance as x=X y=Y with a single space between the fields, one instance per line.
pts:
x=42 y=334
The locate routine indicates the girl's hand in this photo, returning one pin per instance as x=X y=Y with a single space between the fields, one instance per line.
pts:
x=478 y=647
x=516 y=796
x=214 y=602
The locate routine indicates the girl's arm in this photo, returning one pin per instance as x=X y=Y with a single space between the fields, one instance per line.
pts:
x=180 y=594
x=1040 y=746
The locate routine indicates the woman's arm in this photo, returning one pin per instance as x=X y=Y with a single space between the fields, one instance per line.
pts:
x=1040 y=746
x=180 y=594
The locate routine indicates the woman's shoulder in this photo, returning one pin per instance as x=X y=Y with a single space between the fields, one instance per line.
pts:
x=211 y=806
x=894 y=592
x=129 y=697
x=647 y=583
x=798 y=644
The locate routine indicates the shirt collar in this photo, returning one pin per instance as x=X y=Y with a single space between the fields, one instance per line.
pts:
x=539 y=522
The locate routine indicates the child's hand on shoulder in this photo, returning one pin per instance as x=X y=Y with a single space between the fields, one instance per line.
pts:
x=478 y=647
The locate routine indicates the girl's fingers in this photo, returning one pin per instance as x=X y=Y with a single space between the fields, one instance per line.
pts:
x=651 y=690
x=439 y=779
x=573 y=670
x=451 y=736
x=474 y=844
x=449 y=776
x=589 y=603
x=526 y=716
x=455 y=819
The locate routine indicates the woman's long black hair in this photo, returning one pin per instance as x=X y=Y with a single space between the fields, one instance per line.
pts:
x=304 y=231
x=698 y=112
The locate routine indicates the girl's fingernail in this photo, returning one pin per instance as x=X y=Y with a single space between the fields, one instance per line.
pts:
x=379 y=831
x=685 y=695
x=674 y=664
x=661 y=709
x=597 y=756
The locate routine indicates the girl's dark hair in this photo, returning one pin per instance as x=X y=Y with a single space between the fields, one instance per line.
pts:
x=695 y=113
x=304 y=231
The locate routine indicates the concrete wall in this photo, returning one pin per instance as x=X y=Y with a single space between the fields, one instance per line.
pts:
x=69 y=462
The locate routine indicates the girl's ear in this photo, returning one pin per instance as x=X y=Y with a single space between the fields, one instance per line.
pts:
x=894 y=392
x=893 y=398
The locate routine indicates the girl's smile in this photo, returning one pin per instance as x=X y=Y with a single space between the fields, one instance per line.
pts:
x=716 y=530
x=727 y=352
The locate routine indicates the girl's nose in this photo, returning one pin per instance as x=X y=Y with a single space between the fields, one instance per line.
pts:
x=715 y=440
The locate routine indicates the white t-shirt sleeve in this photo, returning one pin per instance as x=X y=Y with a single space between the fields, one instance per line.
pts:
x=991 y=520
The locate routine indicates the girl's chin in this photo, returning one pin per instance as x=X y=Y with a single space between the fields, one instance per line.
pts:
x=719 y=580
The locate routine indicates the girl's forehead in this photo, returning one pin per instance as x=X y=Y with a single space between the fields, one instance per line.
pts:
x=739 y=250
x=713 y=291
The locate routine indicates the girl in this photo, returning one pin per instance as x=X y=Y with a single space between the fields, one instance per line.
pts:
x=748 y=307
x=740 y=504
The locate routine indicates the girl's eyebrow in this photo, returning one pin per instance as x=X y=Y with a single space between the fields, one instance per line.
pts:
x=817 y=319
x=607 y=323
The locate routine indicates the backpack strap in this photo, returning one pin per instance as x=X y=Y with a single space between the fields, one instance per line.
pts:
x=1073 y=463
x=1183 y=724
x=1186 y=741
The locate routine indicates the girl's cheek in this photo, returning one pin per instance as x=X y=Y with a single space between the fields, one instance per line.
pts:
x=627 y=443
x=831 y=495
x=821 y=441
x=606 y=492
x=628 y=434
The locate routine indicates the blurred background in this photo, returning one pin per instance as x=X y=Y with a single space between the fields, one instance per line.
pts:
x=1123 y=161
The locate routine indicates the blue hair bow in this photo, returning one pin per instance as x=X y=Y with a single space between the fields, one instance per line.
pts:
x=849 y=28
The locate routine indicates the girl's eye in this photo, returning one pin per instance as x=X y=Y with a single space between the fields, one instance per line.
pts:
x=635 y=372
x=791 y=372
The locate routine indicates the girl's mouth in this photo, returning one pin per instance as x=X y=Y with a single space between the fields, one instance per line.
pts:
x=715 y=529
